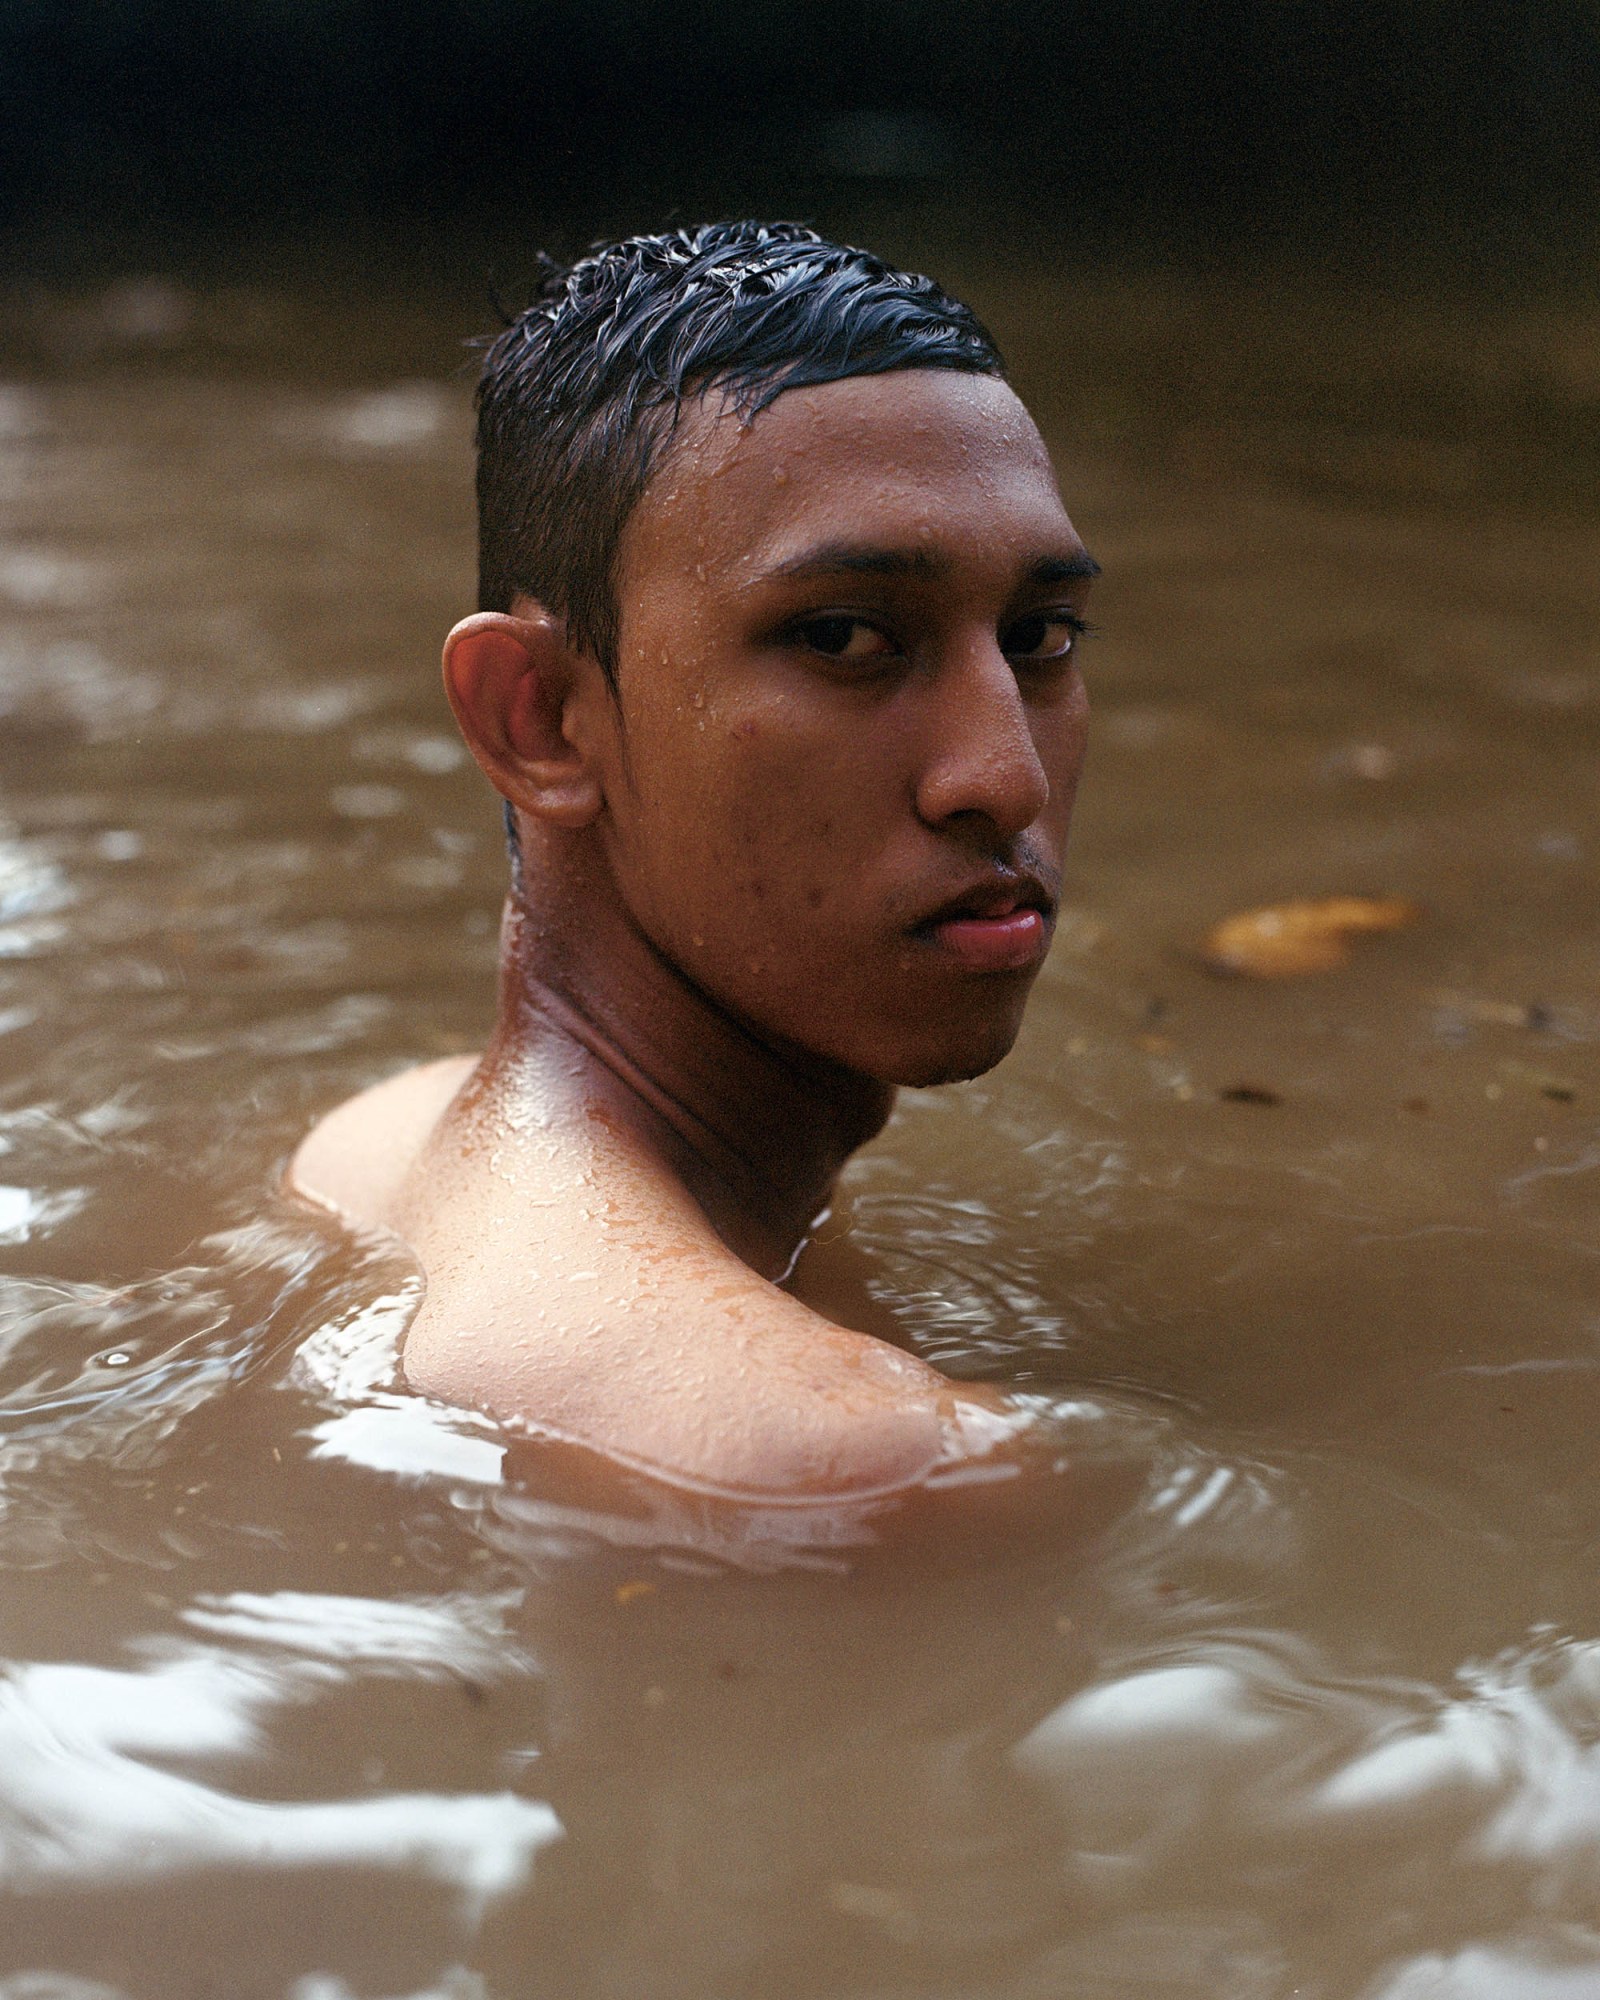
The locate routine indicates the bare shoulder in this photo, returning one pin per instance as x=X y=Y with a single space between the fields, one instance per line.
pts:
x=680 y=1362
x=575 y=1291
x=355 y=1159
x=732 y=1394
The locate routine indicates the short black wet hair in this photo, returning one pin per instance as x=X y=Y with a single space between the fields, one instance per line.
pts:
x=582 y=391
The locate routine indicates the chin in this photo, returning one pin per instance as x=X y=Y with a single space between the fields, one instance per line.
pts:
x=952 y=1059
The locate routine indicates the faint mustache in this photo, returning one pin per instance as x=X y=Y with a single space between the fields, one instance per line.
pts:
x=1020 y=879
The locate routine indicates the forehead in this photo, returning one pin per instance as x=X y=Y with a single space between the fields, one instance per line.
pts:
x=919 y=456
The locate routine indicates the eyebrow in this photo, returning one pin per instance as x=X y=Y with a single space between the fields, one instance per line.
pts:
x=862 y=559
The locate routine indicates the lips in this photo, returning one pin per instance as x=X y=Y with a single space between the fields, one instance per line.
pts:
x=994 y=927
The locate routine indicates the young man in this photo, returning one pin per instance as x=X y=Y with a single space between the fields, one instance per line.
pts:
x=776 y=672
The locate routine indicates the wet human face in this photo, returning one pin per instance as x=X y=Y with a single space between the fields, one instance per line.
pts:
x=852 y=718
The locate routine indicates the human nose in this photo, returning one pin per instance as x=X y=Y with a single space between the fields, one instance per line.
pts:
x=983 y=759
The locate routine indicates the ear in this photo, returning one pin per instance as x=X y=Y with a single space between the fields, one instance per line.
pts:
x=520 y=693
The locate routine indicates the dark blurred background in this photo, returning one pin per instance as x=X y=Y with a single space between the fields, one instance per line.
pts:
x=1347 y=247
x=1382 y=129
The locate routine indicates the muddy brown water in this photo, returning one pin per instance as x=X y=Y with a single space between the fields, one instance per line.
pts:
x=304 y=1699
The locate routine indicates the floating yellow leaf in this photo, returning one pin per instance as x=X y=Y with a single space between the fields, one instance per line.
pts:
x=634 y=1587
x=1284 y=940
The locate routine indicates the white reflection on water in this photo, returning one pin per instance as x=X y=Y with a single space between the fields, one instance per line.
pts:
x=33 y=890
x=1256 y=1744
x=82 y=1803
x=73 y=685
x=408 y=1439
x=354 y=1361
x=1498 y=1973
x=41 y=579
x=25 y=1210
x=455 y=1635
x=457 y=1983
x=399 y=418
x=55 y=1986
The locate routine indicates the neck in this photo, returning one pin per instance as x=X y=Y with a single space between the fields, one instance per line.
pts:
x=755 y=1131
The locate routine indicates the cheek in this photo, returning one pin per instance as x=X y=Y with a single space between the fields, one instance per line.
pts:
x=748 y=836
x=782 y=847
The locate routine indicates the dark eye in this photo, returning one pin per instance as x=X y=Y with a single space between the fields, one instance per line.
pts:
x=839 y=636
x=1043 y=635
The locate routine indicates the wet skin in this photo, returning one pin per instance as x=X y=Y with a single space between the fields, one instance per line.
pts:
x=807 y=850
